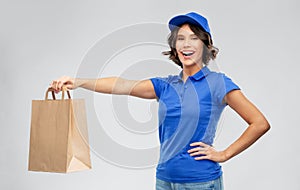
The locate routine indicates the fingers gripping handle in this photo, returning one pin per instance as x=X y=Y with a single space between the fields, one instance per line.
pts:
x=64 y=89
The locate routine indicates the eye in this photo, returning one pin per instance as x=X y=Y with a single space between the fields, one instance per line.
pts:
x=195 y=38
x=180 y=38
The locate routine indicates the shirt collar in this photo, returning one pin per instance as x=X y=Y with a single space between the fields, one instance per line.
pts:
x=199 y=75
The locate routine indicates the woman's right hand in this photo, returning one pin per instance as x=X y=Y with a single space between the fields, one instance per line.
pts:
x=63 y=81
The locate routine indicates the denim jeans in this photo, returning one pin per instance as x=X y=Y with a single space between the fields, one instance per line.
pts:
x=210 y=185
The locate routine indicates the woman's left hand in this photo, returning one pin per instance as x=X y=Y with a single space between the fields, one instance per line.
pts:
x=204 y=151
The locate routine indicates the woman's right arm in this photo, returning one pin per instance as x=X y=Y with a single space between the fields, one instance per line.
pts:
x=111 y=85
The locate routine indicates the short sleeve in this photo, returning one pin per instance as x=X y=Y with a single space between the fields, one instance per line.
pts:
x=158 y=84
x=220 y=85
x=229 y=86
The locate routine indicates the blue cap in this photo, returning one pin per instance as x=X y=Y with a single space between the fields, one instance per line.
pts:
x=191 y=18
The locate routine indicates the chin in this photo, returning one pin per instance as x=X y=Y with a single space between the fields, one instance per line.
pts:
x=188 y=63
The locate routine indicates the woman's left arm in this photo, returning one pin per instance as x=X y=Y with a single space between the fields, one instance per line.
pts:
x=258 y=126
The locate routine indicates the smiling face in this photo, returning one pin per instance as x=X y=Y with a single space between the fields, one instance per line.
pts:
x=189 y=47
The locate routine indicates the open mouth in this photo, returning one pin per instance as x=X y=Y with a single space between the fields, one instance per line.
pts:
x=187 y=53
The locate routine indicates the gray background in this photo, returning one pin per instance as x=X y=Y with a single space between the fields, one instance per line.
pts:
x=258 y=42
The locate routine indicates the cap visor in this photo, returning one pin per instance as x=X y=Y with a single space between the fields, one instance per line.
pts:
x=181 y=19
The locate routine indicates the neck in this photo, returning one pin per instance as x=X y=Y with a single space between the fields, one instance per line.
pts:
x=190 y=71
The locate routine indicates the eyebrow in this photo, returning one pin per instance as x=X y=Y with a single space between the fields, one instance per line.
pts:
x=188 y=35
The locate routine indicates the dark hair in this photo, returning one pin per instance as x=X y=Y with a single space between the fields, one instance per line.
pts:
x=209 y=51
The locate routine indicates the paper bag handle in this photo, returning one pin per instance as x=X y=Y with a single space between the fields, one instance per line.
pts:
x=64 y=89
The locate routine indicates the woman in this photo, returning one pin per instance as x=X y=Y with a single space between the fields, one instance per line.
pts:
x=190 y=105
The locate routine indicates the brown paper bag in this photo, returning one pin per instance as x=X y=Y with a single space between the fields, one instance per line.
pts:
x=59 y=135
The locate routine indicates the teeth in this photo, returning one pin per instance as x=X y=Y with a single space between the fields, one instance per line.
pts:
x=187 y=53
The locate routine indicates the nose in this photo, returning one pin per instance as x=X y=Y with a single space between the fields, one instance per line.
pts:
x=186 y=43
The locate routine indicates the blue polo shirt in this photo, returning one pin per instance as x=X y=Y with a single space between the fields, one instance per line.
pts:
x=189 y=112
